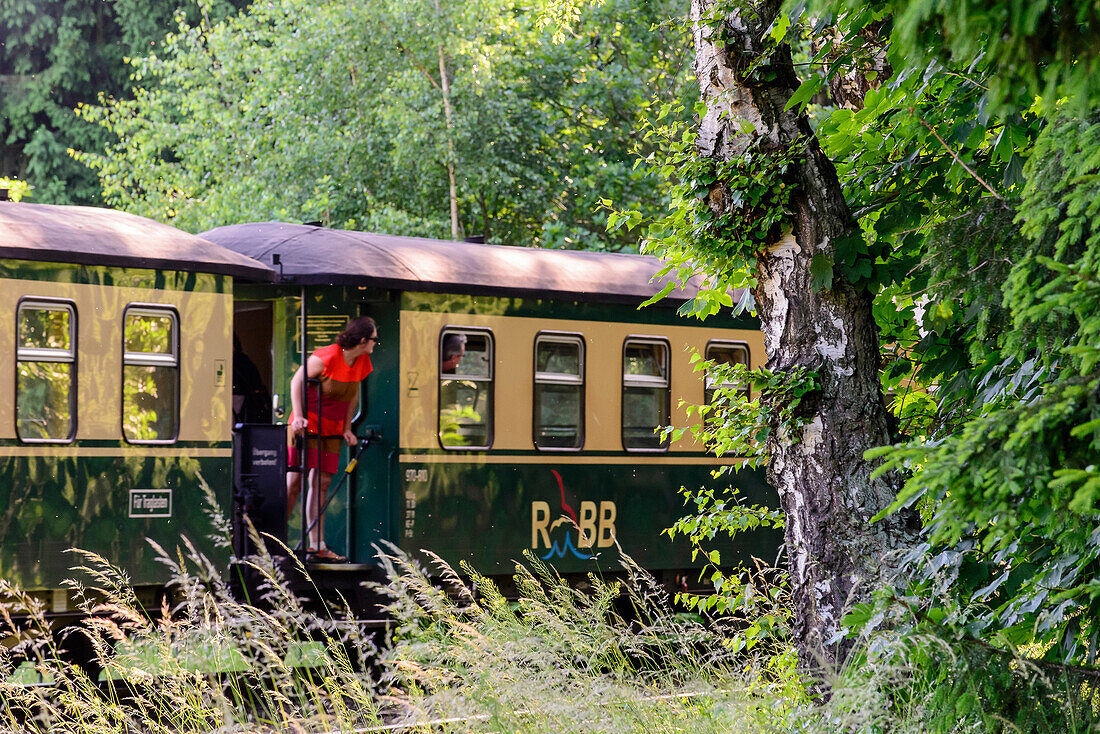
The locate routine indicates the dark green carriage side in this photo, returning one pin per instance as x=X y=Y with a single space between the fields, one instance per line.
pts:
x=490 y=515
x=54 y=503
x=99 y=492
x=489 y=507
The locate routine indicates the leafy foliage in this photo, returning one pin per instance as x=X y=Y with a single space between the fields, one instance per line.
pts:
x=933 y=677
x=745 y=407
x=1015 y=486
x=16 y=190
x=732 y=424
x=971 y=166
x=689 y=237
x=1044 y=48
x=980 y=199
x=333 y=112
x=758 y=595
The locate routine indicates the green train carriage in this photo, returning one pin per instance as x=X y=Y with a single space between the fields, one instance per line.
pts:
x=542 y=440
x=115 y=393
x=118 y=411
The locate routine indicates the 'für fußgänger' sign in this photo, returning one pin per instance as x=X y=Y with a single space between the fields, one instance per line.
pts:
x=150 y=503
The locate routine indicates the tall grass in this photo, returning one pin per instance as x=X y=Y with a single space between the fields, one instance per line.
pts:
x=462 y=658
x=611 y=657
x=208 y=663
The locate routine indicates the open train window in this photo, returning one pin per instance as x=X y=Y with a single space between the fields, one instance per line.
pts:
x=559 y=391
x=646 y=393
x=45 y=381
x=465 y=388
x=727 y=353
x=150 y=375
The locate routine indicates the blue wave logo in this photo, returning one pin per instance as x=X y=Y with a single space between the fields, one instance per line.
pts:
x=559 y=552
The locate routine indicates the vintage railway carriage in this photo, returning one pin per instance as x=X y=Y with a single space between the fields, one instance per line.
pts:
x=114 y=390
x=538 y=433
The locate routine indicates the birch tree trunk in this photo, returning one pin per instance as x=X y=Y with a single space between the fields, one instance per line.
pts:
x=445 y=90
x=836 y=555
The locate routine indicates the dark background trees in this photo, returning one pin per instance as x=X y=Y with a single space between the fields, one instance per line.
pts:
x=57 y=54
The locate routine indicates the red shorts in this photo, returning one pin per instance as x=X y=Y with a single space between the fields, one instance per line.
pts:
x=329 y=460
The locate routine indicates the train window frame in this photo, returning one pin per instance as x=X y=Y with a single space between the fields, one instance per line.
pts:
x=559 y=378
x=643 y=381
x=490 y=380
x=708 y=384
x=150 y=359
x=48 y=354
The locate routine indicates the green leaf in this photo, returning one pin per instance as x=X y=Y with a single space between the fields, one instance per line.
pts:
x=779 y=27
x=805 y=92
x=821 y=272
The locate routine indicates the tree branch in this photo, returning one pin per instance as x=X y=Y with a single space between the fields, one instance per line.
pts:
x=404 y=51
x=958 y=160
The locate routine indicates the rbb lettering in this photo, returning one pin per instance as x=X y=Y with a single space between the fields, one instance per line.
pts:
x=595 y=525
x=587 y=525
x=540 y=519
x=607 y=525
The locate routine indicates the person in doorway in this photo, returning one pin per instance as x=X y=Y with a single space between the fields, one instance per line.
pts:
x=340 y=367
x=251 y=400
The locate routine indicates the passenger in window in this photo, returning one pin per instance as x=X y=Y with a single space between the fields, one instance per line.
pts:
x=454 y=349
x=340 y=367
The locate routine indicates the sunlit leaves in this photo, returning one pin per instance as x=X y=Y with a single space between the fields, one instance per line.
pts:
x=333 y=112
x=720 y=213
x=16 y=189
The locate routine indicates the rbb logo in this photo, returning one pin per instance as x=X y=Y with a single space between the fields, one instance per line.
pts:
x=595 y=526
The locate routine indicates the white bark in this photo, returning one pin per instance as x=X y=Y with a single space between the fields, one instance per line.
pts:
x=445 y=90
x=836 y=555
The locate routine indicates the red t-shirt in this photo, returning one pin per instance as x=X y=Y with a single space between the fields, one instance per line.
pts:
x=337 y=369
x=339 y=386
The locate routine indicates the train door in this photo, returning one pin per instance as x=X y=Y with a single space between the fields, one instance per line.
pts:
x=252 y=361
x=361 y=510
x=259 y=449
x=373 y=509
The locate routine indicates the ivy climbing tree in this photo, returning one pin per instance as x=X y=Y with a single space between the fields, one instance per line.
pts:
x=768 y=167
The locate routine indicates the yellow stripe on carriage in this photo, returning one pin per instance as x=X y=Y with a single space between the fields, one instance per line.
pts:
x=563 y=458
x=108 y=451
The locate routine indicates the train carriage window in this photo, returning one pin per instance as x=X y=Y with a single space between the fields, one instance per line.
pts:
x=150 y=375
x=559 y=391
x=45 y=383
x=724 y=353
x=646 y=394
x=466 y=388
